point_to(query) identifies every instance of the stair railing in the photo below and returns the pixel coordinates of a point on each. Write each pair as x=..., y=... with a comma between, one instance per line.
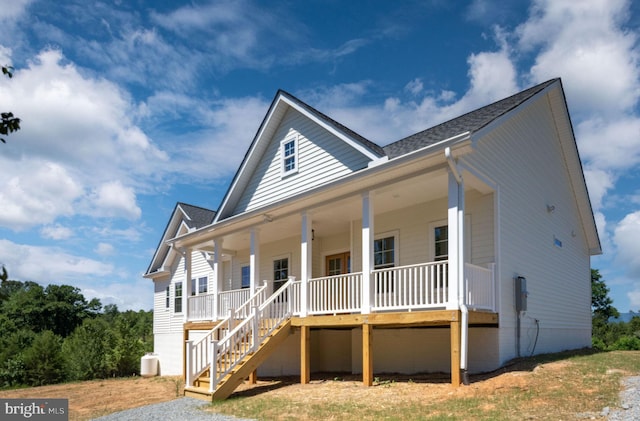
x=198, y=352
x=247, y=336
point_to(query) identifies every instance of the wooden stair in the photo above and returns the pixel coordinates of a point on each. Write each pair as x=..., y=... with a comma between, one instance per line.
x=251, y=362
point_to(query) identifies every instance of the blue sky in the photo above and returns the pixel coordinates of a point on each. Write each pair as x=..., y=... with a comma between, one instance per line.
x=129, y=106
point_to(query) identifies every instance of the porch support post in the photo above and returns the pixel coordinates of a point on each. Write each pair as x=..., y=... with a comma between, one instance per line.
x=254, y=260
x=455, y=351
x=306, y=254
x=305, y=354
x=218, y=275
x=186, y=290
x=453, y=239
x=367, y=252
x=367, y=354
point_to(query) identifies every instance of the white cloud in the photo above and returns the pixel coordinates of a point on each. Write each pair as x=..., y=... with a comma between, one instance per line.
x=612, y=145
x=230, y=125
x=12, y=9
x=56, y=232
x=47, y=264
x=626, y=236
x=104, y=249
x=35, y=192
x=414, y=87
x=599, y=182
x=77, y=136
x=112, y=199
x=584, y=43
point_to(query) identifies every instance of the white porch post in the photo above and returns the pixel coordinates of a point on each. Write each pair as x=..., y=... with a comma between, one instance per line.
x=218, y=273
x=454, y=241
x=254, y=260
x=305, y=265
x=186, y=290
x=367, y=252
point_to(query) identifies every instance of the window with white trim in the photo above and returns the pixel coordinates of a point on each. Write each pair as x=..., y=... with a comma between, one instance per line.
x=441, y=243
x=203, y=285
x=177, y=298
x=384, y=252
x=289, y=154
x=246, y=277
x=280, y=272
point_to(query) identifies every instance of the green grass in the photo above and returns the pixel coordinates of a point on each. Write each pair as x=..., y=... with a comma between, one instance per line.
x=566, y=385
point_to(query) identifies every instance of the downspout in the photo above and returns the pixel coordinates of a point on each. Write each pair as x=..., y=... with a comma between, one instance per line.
x=464, y=311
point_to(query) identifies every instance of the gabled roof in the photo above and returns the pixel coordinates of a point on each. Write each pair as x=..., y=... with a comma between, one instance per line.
x=470, y=122
x=193, y=217
x=474, y=124
x=282, y=102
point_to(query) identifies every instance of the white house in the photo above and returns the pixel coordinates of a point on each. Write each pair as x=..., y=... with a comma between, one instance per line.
x=455, y=249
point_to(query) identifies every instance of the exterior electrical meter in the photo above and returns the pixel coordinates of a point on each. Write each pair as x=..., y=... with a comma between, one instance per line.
x=521, y=294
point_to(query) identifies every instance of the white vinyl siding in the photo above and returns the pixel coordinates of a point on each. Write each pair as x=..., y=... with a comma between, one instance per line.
x=321, y=156
x=524, y=158
x=165, y=319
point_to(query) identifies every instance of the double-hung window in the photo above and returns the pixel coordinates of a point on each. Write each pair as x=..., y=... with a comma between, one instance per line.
x=384, y=256
x=177, y=298
x=280, y=272
x=289, y=153
x=202, y=285
x=441, y=242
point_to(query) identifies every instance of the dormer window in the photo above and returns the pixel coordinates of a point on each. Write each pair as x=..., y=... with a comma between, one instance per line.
x=289, y=153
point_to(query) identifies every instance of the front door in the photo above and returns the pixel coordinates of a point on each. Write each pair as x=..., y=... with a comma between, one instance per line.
x=338, y=264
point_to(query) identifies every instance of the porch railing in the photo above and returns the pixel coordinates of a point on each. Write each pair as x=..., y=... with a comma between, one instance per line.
x=480, y=291
x=247, y=336
x=335, y=294
x=411, y=287
x=198, y=352
x=201, y=307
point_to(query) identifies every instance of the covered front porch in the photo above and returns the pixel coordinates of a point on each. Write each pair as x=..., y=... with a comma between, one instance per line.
x=417, y=250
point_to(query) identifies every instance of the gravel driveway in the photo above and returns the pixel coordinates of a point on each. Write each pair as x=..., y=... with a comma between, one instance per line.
x=181, y=409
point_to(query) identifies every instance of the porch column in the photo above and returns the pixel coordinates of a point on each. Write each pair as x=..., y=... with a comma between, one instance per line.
x=367, y=252
x=454, y=240
x=186, y=289
x=218, y=274
x=254, y=261
x=305, y=266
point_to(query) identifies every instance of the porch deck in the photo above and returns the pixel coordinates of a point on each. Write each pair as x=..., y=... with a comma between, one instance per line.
x=409, y=296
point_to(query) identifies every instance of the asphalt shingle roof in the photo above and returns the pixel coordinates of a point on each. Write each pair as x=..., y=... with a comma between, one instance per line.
x=199, y=217
x=469, y=122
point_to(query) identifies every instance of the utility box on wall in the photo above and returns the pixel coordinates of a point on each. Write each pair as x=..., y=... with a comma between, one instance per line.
x=521, y=293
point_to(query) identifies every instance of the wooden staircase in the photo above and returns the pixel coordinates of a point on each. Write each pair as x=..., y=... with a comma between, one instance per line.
x=232, y=380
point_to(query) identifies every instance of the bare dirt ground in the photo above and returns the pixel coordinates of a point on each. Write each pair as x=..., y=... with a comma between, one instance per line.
x=93, y=399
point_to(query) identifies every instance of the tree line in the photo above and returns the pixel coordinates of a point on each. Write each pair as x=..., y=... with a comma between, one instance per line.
x=53, y=334
x=608, y=333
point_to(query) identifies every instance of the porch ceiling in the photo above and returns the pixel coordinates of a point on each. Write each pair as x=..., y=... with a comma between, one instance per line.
x=334, y=216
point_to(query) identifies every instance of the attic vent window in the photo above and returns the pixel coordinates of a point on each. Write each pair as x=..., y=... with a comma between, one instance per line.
x=289, y=153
